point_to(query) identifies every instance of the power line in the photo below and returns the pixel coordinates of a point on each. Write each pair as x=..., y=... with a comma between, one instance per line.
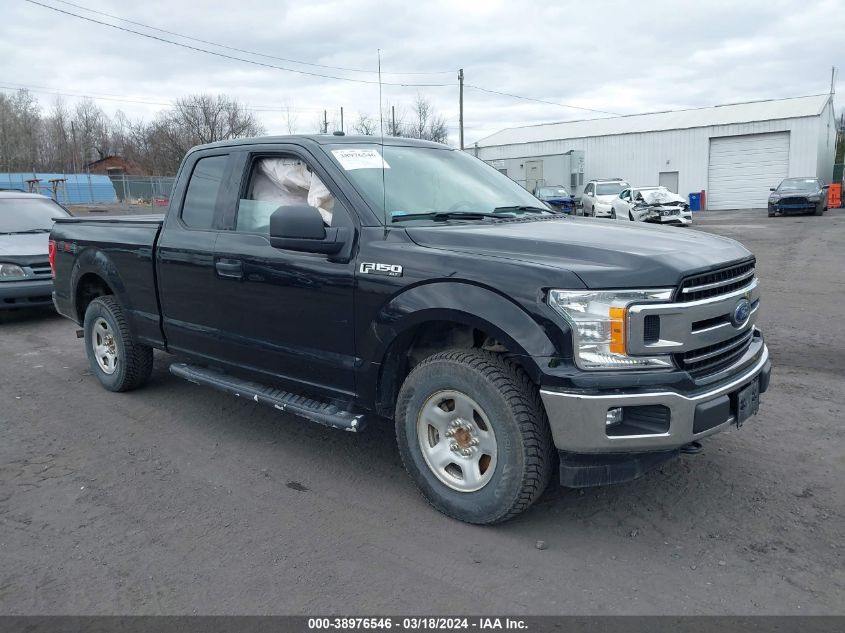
x=232, y=57
x=105, y=97
x=242, y=50
x=561, y=105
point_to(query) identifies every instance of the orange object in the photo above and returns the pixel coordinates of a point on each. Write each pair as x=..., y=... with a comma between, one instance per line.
x=834, y=196
x=617, y=330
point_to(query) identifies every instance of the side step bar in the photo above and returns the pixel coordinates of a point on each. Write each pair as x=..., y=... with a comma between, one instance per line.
x=314, y=410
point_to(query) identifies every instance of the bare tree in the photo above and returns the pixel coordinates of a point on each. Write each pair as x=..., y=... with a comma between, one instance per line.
x=426, y=123
x=365, y=124
x=290, y=119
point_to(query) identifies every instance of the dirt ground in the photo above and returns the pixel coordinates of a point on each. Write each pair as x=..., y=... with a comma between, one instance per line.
x=177, y=499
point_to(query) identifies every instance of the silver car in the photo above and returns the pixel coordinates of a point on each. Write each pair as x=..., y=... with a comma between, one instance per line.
x=26, y=279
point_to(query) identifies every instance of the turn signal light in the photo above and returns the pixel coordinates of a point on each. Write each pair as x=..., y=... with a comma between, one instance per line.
x=617, y=330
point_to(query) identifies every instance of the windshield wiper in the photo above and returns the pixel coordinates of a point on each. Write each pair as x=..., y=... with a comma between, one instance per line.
x=523, y=208
x=446, y=215
x=27, y=231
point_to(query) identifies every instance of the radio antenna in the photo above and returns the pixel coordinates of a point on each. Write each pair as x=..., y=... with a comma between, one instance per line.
x=381, y=131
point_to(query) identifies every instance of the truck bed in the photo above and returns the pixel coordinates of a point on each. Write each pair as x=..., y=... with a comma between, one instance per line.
x=115, y=250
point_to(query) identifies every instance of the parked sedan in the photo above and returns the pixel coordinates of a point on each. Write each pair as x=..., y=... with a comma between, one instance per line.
x=557, y=197
x=798, y=195
x=652, y=204
x=25, y=223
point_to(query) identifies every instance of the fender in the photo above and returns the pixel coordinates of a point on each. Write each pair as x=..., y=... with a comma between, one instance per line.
x=460, y=302
x=143, y=318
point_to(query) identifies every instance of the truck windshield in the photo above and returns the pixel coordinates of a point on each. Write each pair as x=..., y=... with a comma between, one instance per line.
x=28, y=215
x=425, y=181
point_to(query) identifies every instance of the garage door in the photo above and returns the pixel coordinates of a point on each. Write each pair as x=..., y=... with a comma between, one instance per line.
x=742, y=168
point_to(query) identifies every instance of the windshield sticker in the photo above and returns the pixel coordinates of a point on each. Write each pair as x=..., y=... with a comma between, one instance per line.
x=351, y=159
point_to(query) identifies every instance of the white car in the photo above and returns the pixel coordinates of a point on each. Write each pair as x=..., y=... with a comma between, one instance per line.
x=652, y=204
x=599, y=195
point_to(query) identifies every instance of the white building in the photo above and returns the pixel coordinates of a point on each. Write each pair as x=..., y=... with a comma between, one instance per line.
x=734, y=152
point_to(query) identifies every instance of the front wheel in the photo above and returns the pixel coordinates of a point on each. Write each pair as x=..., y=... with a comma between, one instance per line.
x=473, y=435
x=116, y=359
x=613, y=214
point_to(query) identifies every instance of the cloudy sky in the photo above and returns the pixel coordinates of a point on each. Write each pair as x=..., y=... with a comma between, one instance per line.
x=618, y=57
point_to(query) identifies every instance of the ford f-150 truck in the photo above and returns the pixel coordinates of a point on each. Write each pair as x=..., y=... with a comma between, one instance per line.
x=350, y=281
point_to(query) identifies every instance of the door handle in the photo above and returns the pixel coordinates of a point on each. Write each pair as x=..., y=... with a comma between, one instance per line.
x=230, y=268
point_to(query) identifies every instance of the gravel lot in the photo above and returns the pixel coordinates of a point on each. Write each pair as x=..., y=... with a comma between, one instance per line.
x=178, y=499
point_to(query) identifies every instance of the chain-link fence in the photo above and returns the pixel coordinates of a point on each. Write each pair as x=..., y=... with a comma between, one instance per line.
x=143, y=190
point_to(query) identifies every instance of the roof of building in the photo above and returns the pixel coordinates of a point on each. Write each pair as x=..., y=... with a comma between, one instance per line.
x=746, y=112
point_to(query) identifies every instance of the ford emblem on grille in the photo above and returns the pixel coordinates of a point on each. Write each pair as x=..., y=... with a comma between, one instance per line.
x=741, y=313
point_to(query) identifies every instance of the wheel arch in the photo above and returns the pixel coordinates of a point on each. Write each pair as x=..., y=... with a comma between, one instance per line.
x=442, y=315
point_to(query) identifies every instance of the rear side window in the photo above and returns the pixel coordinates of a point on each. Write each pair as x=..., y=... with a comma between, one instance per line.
x=201, y=197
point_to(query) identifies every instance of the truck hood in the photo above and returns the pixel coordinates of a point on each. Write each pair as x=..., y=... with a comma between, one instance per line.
x=24, y=245
x=601, y=253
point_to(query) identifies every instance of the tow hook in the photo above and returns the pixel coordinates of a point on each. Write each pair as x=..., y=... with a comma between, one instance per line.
x=693, y=448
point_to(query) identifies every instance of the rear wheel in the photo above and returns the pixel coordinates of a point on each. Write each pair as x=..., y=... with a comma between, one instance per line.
x=473, y=435
x=118, y=362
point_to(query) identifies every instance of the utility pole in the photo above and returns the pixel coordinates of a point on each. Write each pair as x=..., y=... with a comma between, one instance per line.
x=461, y=103
x=325, y=122
x=393, y=121
x=341, y=118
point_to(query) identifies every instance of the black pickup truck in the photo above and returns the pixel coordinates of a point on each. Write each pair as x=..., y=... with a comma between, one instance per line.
x=351, y=281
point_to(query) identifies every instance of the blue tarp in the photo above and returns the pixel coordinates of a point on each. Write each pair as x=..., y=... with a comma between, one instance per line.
x=78, y=189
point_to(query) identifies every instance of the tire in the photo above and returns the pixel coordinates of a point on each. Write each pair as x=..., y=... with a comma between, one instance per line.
x=106, y=329
x=820, y=210
x=631, y=216
x=613, y=214
x=505, y=475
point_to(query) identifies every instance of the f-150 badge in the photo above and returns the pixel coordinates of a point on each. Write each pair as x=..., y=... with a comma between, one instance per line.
x=390, y=270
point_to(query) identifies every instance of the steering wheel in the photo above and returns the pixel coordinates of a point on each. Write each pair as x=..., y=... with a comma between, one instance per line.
x=461, y=203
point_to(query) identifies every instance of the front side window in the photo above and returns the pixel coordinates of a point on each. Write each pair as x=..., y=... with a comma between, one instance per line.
x=201, y=197
x=424, y=180
x=279, y=181
x=28, y=215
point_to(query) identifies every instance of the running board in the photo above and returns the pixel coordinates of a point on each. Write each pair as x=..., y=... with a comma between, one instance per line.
x=314, y=410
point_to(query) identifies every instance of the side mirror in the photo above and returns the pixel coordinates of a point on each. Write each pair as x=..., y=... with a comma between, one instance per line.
x=773, y=188
x=299, y=227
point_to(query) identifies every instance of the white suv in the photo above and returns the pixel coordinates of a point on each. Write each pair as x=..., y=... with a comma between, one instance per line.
x=598, y=196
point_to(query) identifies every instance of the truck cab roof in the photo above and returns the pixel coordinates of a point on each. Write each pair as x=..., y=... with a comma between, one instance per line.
x=325, y=139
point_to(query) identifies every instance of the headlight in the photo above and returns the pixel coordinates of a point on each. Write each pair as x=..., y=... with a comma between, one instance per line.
x=9, y=272
x=815, y=197
x=599, y=320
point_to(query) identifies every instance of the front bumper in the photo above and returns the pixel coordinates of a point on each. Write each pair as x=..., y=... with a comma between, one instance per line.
x=578, y=420
x=803, y=206
x=25, y=294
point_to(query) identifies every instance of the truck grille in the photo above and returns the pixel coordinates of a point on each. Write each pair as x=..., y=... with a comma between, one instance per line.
x=710, y=359
x=716, y=283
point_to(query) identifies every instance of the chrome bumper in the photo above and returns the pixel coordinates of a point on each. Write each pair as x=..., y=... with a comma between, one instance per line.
x=578, y=421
